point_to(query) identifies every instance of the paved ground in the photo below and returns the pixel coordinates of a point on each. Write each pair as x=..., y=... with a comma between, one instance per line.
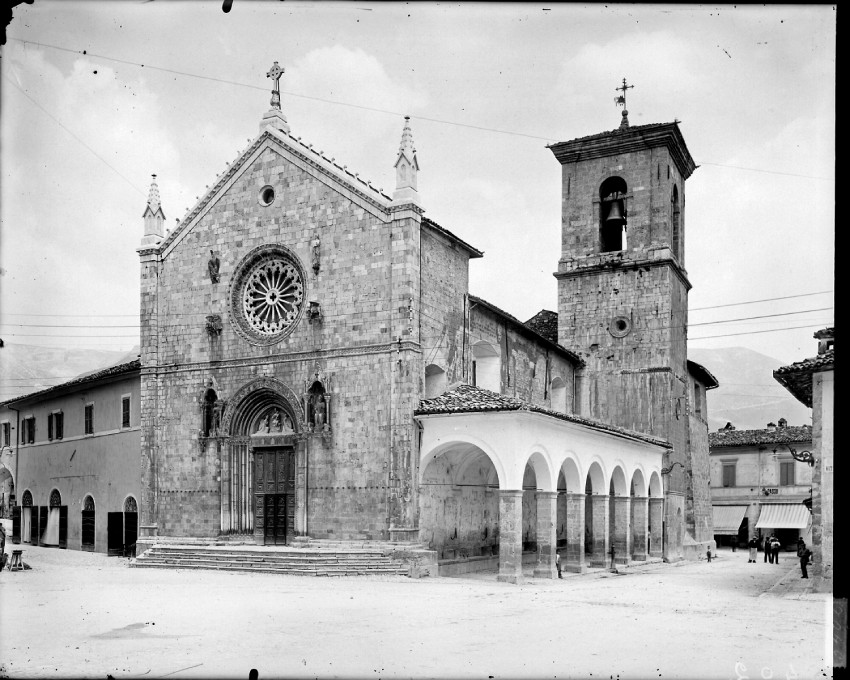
x=81, y=614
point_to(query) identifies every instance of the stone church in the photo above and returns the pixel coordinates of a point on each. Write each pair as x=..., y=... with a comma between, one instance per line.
x=314, y=367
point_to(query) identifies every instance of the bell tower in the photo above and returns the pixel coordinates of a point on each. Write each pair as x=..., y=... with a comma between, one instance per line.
x=623, y=288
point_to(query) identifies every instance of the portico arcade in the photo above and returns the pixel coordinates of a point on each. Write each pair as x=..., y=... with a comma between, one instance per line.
x=495, y=482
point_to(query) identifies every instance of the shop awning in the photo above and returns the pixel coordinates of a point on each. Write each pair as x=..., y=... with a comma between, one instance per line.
x=728, y=518
x=784, y=516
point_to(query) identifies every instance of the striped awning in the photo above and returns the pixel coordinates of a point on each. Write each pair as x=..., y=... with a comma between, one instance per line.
x=728, y=518
x=784, y=516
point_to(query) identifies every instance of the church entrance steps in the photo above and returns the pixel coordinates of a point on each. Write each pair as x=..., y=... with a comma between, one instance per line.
x=275, y=560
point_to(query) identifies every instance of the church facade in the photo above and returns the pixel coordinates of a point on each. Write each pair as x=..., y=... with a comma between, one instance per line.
x=313, y=366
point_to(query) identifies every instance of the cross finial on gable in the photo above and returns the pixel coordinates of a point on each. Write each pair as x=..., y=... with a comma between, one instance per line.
x=275, y=72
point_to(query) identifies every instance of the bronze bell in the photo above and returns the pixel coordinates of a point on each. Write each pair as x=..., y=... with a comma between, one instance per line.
x=615, y=212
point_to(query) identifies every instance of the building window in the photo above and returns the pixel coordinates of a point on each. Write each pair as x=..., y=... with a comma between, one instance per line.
x=728, y=474
x=125, y=411
x=55, y=425
x=7, y=434
x=786, y=473
x=28, y=431
x=697, y=401
x=89, y=419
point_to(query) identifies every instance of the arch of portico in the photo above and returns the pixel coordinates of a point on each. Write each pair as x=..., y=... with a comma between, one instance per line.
x=488, y=488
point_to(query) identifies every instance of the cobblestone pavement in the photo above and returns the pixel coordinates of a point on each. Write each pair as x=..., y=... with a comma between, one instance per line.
x=85, y=615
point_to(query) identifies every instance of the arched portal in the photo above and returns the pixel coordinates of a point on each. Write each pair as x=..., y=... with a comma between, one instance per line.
x=435, y=381
x=29, y=519
x=459, y=502
x=261, y=458
x=53, y=522
x=131, y=526
x=486, y=367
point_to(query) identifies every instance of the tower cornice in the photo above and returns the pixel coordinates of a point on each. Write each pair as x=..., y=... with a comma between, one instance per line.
x=606, y=262
x=628, y=140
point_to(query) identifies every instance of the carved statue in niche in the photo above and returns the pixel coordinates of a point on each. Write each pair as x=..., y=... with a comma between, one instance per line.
x=275, y=421
x=315, y=244
x=213, y=267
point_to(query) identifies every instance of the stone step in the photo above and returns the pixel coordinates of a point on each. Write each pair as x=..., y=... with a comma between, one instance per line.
x=276, y=569
x=185, y=559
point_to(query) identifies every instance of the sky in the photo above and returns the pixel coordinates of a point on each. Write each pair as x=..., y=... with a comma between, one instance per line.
x=98, y=96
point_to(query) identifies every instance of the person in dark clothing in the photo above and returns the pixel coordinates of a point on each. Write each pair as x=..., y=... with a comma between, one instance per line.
x=753, y=545
x=766, y=548
x=805, y=555
x=775, y=545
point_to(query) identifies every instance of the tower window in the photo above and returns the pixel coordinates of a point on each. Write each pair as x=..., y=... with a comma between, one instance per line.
x=612, y=215
x=676, y=236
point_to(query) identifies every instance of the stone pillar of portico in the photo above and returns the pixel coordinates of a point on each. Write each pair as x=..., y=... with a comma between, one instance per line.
x=622, y=529
x=656, y=524
x=640, y=506
x=600, y=539
x=547, y=509
x=510, y=536
x=574, y=558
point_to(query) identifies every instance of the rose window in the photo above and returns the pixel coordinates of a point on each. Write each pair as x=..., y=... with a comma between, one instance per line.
x=272, y=297
x=267, y=294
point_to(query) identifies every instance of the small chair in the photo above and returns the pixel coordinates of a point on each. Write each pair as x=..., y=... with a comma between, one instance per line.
x=17, y=563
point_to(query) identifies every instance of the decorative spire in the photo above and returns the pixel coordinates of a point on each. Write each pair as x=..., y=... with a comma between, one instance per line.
x=406, y=168
x=621, y=101
x=153, y=195
x=154, y=216
x=274, y=117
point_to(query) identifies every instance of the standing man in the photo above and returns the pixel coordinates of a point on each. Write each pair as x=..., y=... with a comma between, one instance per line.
x=775, y=545
x=804, y=554
x=766, y=548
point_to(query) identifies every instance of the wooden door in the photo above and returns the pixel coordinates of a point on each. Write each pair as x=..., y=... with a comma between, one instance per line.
x=42, y=523
x=274, y=487
x=115, y=533
x=16, y=524
x=131, y=532
x=87, y=537
x=63, y=526
x=33, y=525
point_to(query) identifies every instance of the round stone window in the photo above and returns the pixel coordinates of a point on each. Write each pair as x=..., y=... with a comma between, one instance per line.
x=620, y=326
x=267, y=294
x=266, y=196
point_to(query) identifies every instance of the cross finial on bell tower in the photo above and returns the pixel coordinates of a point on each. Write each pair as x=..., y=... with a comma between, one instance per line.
x=621, y=101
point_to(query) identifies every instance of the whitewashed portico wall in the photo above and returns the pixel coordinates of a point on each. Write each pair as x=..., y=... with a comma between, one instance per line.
x=512, y=439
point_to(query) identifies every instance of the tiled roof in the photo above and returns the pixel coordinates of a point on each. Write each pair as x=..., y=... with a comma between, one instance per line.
x=470, y=399
x=111, y=371
x=531, y=332
x=474, y=252
x=828, y=332
x=797, y=378
x=781, y=435
x=616, y=131
x=545, y=323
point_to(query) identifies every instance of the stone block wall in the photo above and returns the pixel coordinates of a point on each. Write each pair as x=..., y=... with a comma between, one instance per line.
x=367, y=284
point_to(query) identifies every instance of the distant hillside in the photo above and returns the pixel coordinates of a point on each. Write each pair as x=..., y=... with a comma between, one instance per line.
x=29, y=368
x=748, y=396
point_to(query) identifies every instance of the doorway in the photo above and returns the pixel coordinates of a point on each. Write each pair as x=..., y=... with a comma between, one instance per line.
x=274, y=491
x=88, y=524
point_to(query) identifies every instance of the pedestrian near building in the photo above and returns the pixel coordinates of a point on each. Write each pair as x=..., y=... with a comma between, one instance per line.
x=766, y=548
x=754, y=549
x=775, y=545
x=708, y=554
x=805, y=555
x=558, y=563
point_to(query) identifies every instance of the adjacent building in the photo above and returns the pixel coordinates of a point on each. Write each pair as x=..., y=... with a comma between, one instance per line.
x=71, y=455
x=758, y=487
x=812, y=382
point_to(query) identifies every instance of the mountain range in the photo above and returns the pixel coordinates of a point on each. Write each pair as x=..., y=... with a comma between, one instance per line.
x=748, y=396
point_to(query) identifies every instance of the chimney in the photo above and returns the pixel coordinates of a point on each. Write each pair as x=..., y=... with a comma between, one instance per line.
x=783, y=423
x=771, y=427
x=726, y=428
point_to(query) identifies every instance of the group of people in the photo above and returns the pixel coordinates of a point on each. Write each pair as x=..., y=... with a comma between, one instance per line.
x=770, y=545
